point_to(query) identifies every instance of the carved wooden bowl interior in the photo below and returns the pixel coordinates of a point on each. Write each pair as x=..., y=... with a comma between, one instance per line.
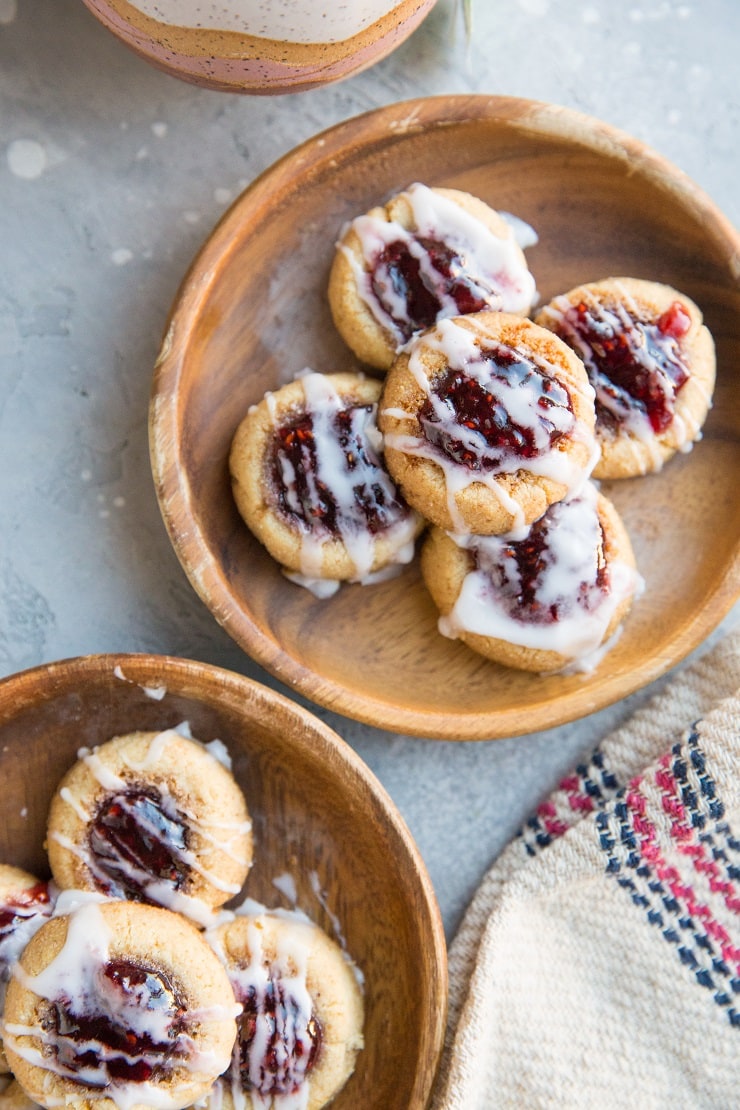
x=252, y=312
x=318, y=814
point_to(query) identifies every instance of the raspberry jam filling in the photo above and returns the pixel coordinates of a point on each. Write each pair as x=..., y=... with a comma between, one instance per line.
x=633, y=363
x=134, y=1031
x=278, y=1042
x=137, y=836
x=480, y=405
x=22, y=904
x=519, y=575
x=333, y=484
x=424, y=290
x=559, y=589
x=21, y=914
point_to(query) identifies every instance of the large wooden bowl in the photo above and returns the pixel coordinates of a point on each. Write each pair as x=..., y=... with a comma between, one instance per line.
x=319, y=815
x=252, y=312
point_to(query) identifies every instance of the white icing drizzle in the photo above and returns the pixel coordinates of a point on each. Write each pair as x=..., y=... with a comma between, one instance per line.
x=285, y=883
x=461, y=352
x=524, y=233
x=220, y=753
x=487, y=603
x=322, y=588
x=27, y=919
x=76, y=981
x=156, y=693
x=281, y=1031
x=224, y=836
x=330, y=467
x=624, y=317
x=492, y=265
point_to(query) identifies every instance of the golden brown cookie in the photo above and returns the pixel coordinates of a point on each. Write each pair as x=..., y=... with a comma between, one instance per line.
x=152, y=817
x=652, y=364
x=426, y=254
x=542, y=603
x=118, y=1004
x=487, y=420
x=309, y=480
x=301, y=1028
x=25, y=904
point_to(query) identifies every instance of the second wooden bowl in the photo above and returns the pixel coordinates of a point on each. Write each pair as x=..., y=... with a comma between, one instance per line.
x=319, y=816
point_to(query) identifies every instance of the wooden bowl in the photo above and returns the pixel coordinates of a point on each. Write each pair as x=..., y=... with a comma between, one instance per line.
x=252, y=312
x=318, y=815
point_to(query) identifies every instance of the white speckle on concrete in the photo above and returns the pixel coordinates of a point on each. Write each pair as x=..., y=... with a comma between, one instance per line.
x=141, y=154
x=121, y=255
x=159, y=129
x=86, y=475
x=191, y=217
x=26, y=158
x=674, y=117
x=222, y=196
x=119, y=502
x=8, y=10
x=104, y=514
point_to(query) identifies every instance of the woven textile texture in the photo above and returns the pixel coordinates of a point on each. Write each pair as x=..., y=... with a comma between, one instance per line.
x=598, y=964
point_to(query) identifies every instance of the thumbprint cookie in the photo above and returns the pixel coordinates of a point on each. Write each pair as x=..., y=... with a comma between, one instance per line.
x=543, y=603
x=309, y=480
x=301, y=1026
x=487, y=420
x=427, y=254
x=118, y=1005
x=153, y=817
x=651, y=362
x=25, y=904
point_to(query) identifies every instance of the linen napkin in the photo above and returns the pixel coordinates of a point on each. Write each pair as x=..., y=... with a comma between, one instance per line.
x=598, y=964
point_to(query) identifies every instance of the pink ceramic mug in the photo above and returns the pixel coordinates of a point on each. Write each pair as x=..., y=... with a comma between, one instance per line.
x=261, y=46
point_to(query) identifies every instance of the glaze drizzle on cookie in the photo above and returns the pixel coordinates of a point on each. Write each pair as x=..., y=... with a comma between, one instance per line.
x=279, y=1035
x=142, y=838
x=108, y=1021
x=494, y=411
x=328, y=479
x=449, y=264
x=552, y=590
x=636, y=363
x=22, y=913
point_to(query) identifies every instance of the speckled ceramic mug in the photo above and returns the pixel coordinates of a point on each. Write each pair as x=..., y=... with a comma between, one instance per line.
x=261, y=46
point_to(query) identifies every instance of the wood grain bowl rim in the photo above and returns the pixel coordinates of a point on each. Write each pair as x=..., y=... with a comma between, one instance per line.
x=244, y=697
x=311, y=158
